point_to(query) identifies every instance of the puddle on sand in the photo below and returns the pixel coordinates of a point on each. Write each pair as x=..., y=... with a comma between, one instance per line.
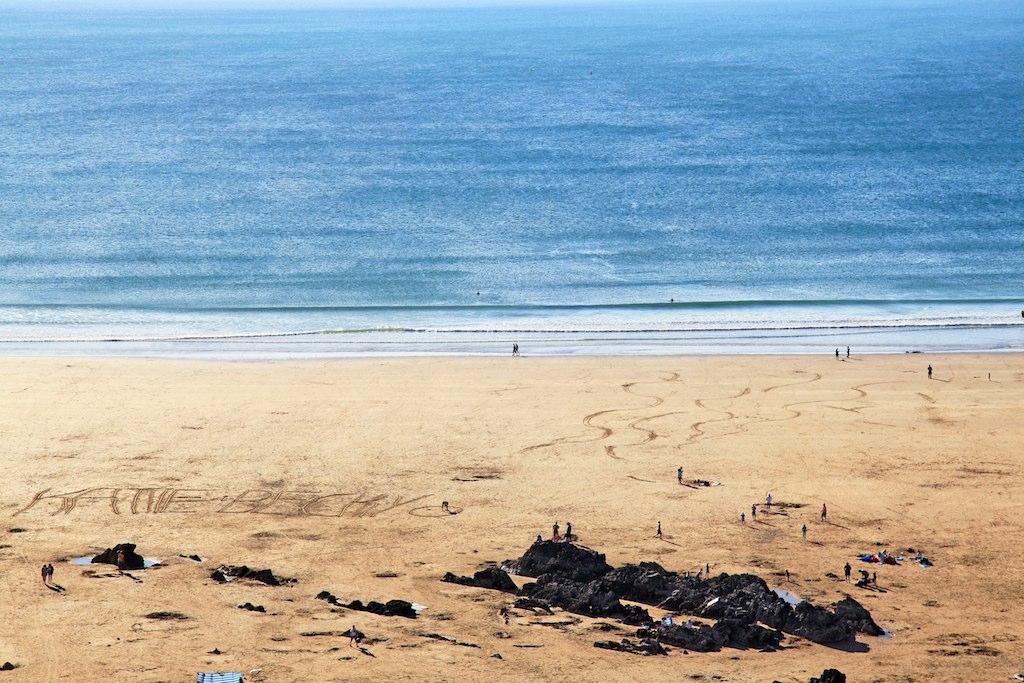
x=86, y=560
x=787, y=596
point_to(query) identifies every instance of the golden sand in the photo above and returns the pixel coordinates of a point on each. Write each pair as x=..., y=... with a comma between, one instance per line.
x=333, y=473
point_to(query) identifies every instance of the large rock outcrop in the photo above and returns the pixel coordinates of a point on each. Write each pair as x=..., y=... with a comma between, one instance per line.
x=562, y=560
x=132, y=560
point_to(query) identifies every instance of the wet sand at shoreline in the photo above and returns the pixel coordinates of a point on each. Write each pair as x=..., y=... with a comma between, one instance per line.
x=333, y=473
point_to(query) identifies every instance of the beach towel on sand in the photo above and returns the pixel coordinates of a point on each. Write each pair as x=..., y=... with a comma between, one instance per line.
x=230, y=677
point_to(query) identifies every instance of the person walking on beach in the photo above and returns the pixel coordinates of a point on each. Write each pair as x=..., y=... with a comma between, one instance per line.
x=753, y=510
x=803, y=531
x=568, y=532
x=743, y=518
x=515, y=349
x=44, y=573
x=658, y=533
x=768, y=500
x=49, y=573
x=679, y=475
x=554, y=532
x=824, y=512
x=837, y=352
x=847, y=351
x=929, y=371
x=846, y=571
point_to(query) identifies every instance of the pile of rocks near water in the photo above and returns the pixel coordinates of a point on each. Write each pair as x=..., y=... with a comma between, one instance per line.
x=747, y=613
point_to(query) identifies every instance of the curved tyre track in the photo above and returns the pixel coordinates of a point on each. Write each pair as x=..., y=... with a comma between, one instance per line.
x=605, y=430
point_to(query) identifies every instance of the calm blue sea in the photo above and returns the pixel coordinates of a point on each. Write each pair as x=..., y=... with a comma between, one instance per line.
x=589, y=178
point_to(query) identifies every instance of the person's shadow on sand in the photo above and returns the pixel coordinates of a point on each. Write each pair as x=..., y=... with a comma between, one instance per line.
x=55, y=587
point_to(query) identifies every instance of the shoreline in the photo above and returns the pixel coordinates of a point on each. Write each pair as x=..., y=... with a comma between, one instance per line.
x=1002, y=338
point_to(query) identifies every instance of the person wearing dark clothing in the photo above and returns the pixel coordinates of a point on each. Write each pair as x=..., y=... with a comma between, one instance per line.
x=846, y=571
x=929, y=372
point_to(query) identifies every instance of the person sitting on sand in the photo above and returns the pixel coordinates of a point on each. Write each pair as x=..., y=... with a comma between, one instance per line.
x=568, y=532
x=444, y=507
x=846, y=571
x=554, y=532
x=824, y=512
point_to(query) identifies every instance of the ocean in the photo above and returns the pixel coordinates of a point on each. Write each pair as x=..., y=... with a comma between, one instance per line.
x=760, y=176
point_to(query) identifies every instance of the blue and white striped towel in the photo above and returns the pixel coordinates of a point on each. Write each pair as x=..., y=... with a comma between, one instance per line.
x=230, y=677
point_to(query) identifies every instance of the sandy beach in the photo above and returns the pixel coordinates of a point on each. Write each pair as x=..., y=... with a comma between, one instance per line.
x=333, y=473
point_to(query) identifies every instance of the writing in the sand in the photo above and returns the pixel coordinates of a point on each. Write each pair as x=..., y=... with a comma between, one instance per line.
x=136, y=500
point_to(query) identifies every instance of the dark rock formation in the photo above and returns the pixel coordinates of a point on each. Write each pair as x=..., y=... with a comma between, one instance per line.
x=226, y=573
x=132, y=560
x=532, y=604
x=7, y=666
x=594, y=599
x=492, y=578
x=704, y=638
x=252, y=608
x=647, y=582
x=579, y=580
x=829, y=676
x=562, y=560
x=391, y=608
x=644, y=647
x=854, y=613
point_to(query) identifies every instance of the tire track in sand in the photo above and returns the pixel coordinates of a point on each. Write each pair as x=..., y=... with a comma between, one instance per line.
x=650, y=435
x=588, y=421
x=698, y=433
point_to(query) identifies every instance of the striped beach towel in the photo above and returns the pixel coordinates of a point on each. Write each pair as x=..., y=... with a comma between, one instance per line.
x=230, y=677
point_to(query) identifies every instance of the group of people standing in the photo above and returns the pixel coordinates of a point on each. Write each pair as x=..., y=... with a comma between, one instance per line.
x=768, y=500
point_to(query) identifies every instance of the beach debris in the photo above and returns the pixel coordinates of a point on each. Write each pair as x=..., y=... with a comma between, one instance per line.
x=646, y=646
x=194, y=558
x=252, y=608
x=7, y=666
x=391, y=608
x=225, y=573
x=491, y=578
x=15, y=530
x=215, y=651
x=387, y=575
x=829, y=676
x=122, y=555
